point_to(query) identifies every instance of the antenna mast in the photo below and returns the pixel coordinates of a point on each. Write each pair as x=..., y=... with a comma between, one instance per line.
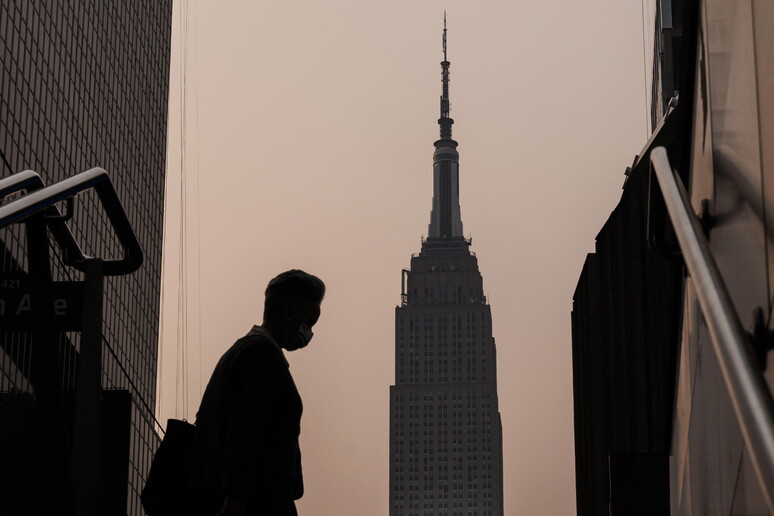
x=445, y=121
x=444, y=35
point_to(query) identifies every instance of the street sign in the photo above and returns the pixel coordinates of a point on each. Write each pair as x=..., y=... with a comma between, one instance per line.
x=17, y=304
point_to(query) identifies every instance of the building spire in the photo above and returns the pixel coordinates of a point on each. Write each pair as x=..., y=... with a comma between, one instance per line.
x=445, y=121
x=445, y=230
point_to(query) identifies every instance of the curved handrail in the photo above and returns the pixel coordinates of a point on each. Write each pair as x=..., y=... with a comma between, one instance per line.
x=97, y=178
x=746, y=386
x=30, y=180
x=26, y=180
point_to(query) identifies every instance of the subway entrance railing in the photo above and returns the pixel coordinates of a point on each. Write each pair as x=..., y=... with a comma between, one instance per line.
x=66, y=426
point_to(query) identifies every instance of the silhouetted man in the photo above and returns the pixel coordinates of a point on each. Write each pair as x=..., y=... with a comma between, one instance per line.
x=246, y=459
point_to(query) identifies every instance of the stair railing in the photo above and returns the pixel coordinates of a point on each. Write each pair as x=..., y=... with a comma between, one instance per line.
x=43, y=199
x=30, y=181
x=38, y=209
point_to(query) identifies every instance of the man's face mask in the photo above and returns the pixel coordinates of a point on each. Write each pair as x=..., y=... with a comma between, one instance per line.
x=296, y=338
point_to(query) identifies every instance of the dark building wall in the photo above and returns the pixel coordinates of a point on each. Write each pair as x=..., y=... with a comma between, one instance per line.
x=627, y=311
x=82, y=85
x=719, y=140
x=625, y=326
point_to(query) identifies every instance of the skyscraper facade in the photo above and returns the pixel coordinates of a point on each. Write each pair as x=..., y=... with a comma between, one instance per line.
x=445, y=428
x=83, y=85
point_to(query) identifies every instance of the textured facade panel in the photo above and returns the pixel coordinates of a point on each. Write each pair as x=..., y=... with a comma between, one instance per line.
x=85, y=84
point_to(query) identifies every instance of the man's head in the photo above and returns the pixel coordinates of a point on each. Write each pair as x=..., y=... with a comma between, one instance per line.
x=292, y=306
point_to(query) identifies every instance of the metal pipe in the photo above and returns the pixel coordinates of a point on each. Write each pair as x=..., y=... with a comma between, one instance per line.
x=744, y=380
x=403, y=294
x=26, y=180
x=31, y=181
x=97, y=178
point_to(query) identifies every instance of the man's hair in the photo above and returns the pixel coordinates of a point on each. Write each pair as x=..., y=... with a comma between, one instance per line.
x=291, y=286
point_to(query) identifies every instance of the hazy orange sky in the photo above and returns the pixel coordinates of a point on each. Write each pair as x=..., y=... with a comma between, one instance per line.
x=309, y=130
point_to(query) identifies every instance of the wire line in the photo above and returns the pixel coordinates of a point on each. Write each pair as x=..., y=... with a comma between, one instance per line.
x=645, y=72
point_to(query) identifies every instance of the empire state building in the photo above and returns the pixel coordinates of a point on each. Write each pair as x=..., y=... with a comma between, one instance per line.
x=445, y=429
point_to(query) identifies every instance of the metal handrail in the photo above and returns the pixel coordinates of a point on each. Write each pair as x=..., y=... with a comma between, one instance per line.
x=27, y=180
x=46, y=197
x=31, y=181
x=746, y=386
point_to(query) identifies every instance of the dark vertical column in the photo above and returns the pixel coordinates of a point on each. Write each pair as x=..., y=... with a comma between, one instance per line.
x=87, y=417
x=114, y=451
x=50, y=471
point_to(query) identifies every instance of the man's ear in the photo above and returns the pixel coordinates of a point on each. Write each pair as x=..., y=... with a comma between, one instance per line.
x=288, y=310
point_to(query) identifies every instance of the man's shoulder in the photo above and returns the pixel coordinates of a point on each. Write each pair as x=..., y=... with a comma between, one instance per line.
x=257, y=344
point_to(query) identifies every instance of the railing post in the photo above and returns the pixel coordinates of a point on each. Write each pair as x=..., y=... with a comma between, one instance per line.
x=86, y=456
x=51, y=457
